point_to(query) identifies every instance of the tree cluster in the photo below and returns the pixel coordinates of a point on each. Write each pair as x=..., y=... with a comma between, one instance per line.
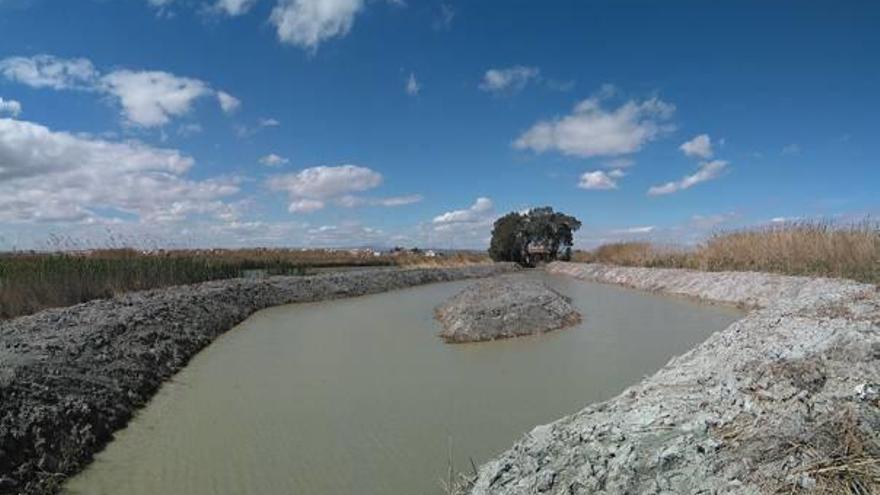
x=551, y=231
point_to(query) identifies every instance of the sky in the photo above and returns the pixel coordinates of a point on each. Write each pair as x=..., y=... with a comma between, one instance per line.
x=329, y=123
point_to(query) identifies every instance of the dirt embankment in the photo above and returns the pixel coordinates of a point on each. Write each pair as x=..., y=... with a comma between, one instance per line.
x=785, y=400
x=70, y=377
x=504, y=307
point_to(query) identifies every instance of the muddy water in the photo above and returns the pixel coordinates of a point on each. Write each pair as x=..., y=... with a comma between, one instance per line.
x=359, y=396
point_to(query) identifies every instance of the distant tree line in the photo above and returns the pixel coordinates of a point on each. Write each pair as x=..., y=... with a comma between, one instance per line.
x=539, y=234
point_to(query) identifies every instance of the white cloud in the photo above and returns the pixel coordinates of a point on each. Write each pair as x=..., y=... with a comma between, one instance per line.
x=707, y=171
x=313, y=188
x=190, y=129
x=784, y=219
x=233, y=7
x=273, y=160
x=700, y=146
x=245, y=131
x=352, y=201
x=508, y=80
x=412, y=87
x=153, y=98
x=308, y=23
x=635, y=230
x=600, y=180
x=305, y=205
x=469, y=227
x=61, y=177
x=228, y=103
x=401, y=200
x=476, y=213
x=147, y=98
x=591, y=130
x=46, y=71
x=10, y=107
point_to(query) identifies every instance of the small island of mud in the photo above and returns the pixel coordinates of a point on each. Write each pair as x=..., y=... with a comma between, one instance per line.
x=504, y=307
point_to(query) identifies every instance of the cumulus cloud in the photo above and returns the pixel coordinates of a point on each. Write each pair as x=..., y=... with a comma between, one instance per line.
x=233, y=7
x=592, y=130
x=153, y=98
x=313, y=188
x=273, y=160
x=10, y=107
x=46, y=71
x=412, y=87
x=56, y=176
x=351, y=201
x=228, y=103
x=508, y=80
x=707, y=171
x=600, y=180
x=147, y=98
x=479, y=212
x=308, y=23
x=700, y=147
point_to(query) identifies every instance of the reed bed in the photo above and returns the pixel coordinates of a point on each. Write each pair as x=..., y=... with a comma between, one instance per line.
x=805, y=248
x=30, y=282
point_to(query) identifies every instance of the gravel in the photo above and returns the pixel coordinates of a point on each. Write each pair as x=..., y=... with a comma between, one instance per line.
x=504, y=307
x=783, y=400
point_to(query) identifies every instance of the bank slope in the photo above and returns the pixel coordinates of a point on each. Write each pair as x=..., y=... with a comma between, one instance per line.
x=785, y=399
x=70, y=377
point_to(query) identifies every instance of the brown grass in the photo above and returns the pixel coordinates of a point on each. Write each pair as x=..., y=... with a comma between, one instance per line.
x=841, y=456
x=30, y=282
x=808, y=248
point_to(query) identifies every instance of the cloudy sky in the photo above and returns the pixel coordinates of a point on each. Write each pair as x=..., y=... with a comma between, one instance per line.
x=418, y=122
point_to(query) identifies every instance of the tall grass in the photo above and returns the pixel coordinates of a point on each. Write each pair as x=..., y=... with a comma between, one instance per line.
x=34, y=281
x=805, y=248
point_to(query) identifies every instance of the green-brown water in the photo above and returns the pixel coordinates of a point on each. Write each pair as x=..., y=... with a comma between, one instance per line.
x=359, y=396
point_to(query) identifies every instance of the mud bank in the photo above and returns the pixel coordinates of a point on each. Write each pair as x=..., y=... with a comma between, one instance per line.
x=504, y=307
x=785, y=399
x=70, y=377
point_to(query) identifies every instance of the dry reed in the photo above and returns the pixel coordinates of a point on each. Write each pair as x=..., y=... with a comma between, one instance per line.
x=806, y=248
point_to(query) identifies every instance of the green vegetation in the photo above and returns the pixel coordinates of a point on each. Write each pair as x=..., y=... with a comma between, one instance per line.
x=807, y=248
x=540, y=234
x=30, y=282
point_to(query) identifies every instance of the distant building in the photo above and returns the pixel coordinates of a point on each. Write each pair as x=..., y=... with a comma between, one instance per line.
x=538, y=252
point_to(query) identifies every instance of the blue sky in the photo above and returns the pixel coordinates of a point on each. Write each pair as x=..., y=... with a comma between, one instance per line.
x=380, y=122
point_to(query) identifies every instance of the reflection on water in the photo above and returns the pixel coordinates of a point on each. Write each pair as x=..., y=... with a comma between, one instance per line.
x=359, y=396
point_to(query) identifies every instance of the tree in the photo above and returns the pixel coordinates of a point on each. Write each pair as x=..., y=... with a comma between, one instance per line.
x=539, y=227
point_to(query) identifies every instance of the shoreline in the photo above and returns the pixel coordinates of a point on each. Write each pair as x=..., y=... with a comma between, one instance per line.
x=70, y=377
x=785, y=398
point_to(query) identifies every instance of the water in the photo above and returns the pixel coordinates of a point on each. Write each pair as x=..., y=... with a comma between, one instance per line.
x=359, y=396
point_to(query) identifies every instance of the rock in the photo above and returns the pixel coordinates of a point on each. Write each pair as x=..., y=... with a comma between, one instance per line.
x=754, y=409
x=503, y=307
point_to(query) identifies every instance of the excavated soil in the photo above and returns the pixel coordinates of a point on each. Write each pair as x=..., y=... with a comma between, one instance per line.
x=504, y=307
x=70, y=377
x=785, y=400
